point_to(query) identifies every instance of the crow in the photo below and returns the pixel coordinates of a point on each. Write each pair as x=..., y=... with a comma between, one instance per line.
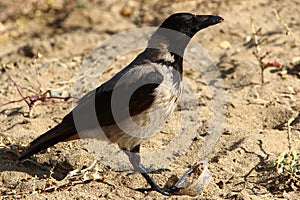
x=154, y=82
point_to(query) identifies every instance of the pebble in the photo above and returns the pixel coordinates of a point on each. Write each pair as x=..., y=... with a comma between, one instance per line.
x=291, y=90
x=65, y=94
x=9, y=66
x=225, y=44
x=126, y=11
x=296, y=60
x=2, y=27
x=248, y=38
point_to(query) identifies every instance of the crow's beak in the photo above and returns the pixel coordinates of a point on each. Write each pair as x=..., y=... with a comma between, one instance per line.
x=203, y=21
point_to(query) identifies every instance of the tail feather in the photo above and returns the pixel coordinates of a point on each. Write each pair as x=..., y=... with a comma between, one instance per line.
x=61, y=132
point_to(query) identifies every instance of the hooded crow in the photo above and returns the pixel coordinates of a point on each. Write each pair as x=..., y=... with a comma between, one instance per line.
x=154, y=80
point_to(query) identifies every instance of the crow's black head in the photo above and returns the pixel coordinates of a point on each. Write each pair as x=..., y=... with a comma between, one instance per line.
x=176, y=31
x=188, y=23
x=173, y=35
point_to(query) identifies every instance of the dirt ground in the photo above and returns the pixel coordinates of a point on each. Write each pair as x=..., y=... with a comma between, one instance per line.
x=45, y=42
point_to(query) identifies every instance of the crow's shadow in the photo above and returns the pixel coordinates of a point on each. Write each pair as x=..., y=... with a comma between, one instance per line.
x=9, y=162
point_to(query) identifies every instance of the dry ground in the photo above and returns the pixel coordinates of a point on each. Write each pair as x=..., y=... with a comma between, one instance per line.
x=255, y=130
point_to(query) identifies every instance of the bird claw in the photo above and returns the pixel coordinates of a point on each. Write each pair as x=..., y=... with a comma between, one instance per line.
x=157, y=171
x=154, y=186
x=163, y=191
x=151, y=171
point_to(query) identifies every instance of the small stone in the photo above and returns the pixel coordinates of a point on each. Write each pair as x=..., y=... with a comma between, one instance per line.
x=248, y=39
x=291, y=90
x=2, y=27
x=225, y=44
x=65, y=94
x=9, y=66
x=126, y=11
x=296, y=60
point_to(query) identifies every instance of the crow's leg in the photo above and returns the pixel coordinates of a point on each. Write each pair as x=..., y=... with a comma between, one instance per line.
x=135, y=160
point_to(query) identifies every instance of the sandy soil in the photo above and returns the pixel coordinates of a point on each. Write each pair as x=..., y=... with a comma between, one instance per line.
x=45, y=42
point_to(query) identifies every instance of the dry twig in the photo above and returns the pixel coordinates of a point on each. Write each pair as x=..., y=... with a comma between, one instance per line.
x=75, y=177
x=38, y=96
x=257, y=53
x=43, y=95
x=287, y=28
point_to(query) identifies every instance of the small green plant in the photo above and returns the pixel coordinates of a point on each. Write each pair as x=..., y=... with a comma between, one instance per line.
x=288, y=163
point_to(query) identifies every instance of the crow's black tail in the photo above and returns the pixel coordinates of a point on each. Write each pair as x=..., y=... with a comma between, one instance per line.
x=62, y=132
